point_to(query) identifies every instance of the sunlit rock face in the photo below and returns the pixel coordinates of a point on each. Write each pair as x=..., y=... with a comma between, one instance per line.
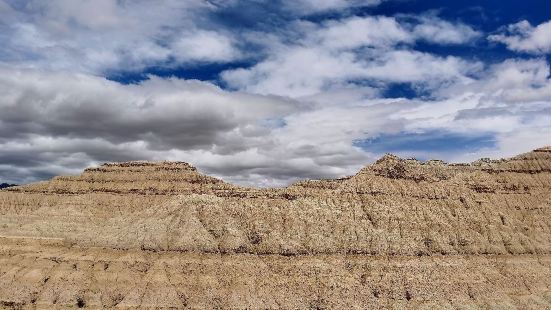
x=400, y=233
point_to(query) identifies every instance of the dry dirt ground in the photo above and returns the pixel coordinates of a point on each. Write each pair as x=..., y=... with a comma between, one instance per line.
x=399, y=234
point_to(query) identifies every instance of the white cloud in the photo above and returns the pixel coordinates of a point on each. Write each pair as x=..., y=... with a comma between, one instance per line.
x=433, y=29
x=523, y=37
x=299, y=71
x=298, y=112
x=510, y=144
x=386, y=32
x=295, y=72
x=356, y=32
x=58, y=123
x=511, y=81
x=342, y=53
x=204, y=45
x=51, y=117
x=306, y=7
x=412, y=66
x=509, y=100
x=109, y=35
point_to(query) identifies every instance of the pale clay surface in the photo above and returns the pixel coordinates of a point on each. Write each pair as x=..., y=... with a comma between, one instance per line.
x=400, y=234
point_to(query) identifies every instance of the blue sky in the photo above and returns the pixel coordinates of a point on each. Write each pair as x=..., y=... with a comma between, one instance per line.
x=265, y=93
x=487, y=16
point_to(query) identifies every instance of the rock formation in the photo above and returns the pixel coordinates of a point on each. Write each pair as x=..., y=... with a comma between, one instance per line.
x=398, y=234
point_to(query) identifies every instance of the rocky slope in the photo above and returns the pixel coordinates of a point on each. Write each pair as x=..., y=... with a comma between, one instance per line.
x=400, y=233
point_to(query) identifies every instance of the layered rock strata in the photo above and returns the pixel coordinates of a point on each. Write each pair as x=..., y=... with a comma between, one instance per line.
x=400, y=233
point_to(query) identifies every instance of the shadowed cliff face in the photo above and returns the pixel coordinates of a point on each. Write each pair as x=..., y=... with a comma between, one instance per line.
x=419, y=216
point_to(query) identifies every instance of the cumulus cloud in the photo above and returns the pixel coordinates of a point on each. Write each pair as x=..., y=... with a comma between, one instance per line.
x=55, y=120
x=509, y=100
x=511, y=81
x=157, y=110
x=342, y=53
x=308, y=103
x=385, y=32
x=299, y=72
x=354, y=32
x=204, y=46
x=58, y=123
x=523, y=37
x=306, y=7
x=433, y=29
x=108, y=35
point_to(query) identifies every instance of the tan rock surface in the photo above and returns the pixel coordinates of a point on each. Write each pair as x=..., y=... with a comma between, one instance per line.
x=398, y=234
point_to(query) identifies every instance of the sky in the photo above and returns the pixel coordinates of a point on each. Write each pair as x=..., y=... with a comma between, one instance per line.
x=265, y=93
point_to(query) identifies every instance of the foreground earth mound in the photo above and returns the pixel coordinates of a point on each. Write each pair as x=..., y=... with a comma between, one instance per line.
x=398, y=234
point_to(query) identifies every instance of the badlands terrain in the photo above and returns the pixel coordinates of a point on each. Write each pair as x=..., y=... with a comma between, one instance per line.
x=400, y=234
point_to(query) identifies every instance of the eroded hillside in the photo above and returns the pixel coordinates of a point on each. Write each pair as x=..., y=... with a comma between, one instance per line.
x=400, y=233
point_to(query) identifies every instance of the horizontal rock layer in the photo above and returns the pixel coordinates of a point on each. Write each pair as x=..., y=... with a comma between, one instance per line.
x=393, y=210
x=45, y=276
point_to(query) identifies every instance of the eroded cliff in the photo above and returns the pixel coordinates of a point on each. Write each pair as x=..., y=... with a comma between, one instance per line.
x=399, y=233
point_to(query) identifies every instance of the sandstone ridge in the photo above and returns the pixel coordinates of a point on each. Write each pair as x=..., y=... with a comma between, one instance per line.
x=393, y=206
x=399, y=233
